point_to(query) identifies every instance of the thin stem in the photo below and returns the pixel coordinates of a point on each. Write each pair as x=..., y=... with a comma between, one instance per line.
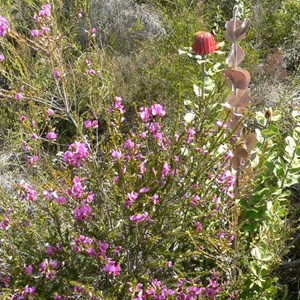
x=203, y=81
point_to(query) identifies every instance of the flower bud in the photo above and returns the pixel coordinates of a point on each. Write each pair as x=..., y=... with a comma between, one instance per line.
x=269, y=113
x=204, y=43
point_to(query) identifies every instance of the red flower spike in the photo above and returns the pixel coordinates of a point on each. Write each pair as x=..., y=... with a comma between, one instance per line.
x=204, y=43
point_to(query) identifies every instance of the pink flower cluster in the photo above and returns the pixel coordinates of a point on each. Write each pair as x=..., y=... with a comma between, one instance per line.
x=155, y=110
x=184, y=290
x=117, y=105
x=51, y=136
x=48, y=268
x=3, y=26
x=82, y=212
x=85, y=244
x=53, y=195
x=88, y=124
x=45, y=12
x=131, y=197
x=76, y=190
x=166, y=170
x=76, y=154
x=148, y=115
x=27, y=192
x=140, y=217
x=27, y=292
x=112, y=268
x=43, y=16
x=4, y=225
x=226, y=180
x=32, y=160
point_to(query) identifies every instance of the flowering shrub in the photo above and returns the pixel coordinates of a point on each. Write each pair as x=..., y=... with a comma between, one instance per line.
x=146, y=211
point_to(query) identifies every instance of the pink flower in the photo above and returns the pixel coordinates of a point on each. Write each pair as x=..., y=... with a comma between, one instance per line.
x=53, y=264
x=45, y=11
x=144, y=114
x=79, y=154
x=23, y=118
x=56, y=74
x=95, y=123
x=51, y=275
x=34, y=136
x=117, y=155
x=144, y=190
x=229, y=154
x=92, y=72
x=198, y=227
x=90, y=197
x=27, y=291
x=140, y=217
x=221, y=124
x=50, y=250
x=143, y=169
x=28, y=270
x=90, y=124
x=5, y=224
x=51, y=136
x=28, y=193
x=155, y=199
x=169, y=264
x=191, y=133
x=157, y=110
x=77, y=190
x=3, y=26
x=166, y=170
x=129, y=144
x=87, y=124
x=83, y=212
x=45, y=30
x=195, y=200
x=2, y=57
x=25, y=146
x=131, y=197
x=19, y=96
x=33, y=160
x=35, y=33
x=118, y=105
x=79, y=14
x=93, y=31
x=42, y=266
x=50, y=112
x=115, y=179
x=112, y=268
x=60, y=200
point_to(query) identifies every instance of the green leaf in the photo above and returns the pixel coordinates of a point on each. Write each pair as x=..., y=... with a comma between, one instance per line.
x=189, y=117
x=260, y=117
x=256, y=252
x=290, y=145
x=197, y=90
x=296, y=133
x=209, y=84
x=279, y=172
x=259, y=136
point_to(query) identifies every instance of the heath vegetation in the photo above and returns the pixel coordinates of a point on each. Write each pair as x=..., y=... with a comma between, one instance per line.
x=149, y=149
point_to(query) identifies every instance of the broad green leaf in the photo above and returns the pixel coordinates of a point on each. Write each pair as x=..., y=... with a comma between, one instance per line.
x=256, y=253
x=260, y=117
x=189, y=117
x=290, y=145
x=197, y=90
x=296, y=133
x=259, y=136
